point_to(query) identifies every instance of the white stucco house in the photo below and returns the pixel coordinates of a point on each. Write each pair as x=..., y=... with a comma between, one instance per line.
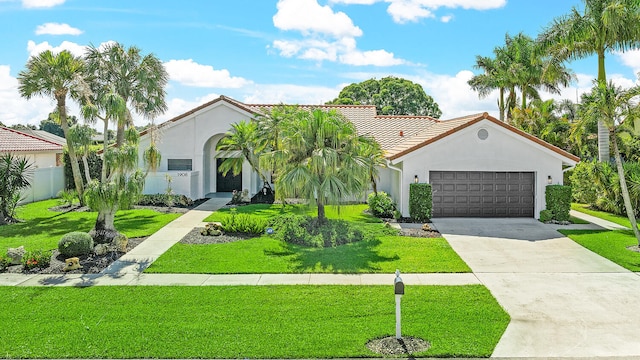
x=478, y=166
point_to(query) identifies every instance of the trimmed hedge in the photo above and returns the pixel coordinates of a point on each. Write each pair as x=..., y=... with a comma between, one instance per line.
x=558, y=199
x=95, y=168
x=420, y=201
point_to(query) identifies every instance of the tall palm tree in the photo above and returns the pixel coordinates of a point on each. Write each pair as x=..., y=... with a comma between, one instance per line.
x=494, y=77
x=139, y=80
x=57, y=76
x=603, y=26
x=613, y=106
x=122, y=82
x=322, y=162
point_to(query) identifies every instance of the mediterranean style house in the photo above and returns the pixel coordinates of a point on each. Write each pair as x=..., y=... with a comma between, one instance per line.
x=477, y=165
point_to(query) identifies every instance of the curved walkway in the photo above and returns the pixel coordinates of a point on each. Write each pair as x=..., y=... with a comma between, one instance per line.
x=564, y=300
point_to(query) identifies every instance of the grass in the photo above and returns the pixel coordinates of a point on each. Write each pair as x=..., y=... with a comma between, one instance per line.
x=575, y=220
x=609, y=244
x=42, y=228
x=380, y=252
x=617, y=219
x=242, y=322
x=268, y=255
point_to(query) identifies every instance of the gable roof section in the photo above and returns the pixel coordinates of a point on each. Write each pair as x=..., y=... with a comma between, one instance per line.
x=46, y=136
x=443, y=129
x=16, y=141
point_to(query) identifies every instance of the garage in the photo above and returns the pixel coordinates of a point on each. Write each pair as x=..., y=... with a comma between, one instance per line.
x=482, y=194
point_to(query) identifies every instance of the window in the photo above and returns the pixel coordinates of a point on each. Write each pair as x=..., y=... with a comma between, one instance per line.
x=179, y=165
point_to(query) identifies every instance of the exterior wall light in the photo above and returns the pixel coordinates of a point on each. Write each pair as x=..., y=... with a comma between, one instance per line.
x=415, y=179
x=549, y=180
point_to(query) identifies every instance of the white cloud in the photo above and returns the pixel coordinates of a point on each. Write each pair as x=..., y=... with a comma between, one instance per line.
x=190, y=73
x=630, y=58
x=446, y=18
x=16, y=110
x=41, y=3
x=355, y=2
x=373, y=57
x=35, y=49
x=309, y=17
x=57, y=29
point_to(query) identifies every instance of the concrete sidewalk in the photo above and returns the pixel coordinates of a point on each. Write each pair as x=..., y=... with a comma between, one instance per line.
x=80, y=280
x=597, y=221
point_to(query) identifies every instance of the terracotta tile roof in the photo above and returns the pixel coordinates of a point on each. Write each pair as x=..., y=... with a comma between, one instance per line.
x=397, y=135
x=17, y=141
x=445, y=128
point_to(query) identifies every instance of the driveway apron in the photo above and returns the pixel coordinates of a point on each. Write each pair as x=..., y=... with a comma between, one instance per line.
x=564, y=300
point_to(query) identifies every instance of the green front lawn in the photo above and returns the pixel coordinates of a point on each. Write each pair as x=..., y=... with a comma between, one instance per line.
x=242, y=322
x=267, y=255
x=42, y=228
x=379, y=253
x=609, y=244
x=617, y=219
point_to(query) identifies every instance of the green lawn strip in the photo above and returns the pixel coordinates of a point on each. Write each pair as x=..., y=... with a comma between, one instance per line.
x=617, y=219
x=42, y=229
x=344, y=212
x=242, y=321
x=575, y=220
x=609, y=244
x=267, y=255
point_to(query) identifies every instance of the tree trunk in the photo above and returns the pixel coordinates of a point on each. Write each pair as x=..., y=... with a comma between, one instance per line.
x=501, y=104
x=321, y=215
x=75, y=168
x=87, y=174
x=625, y=191
x=603, y=131
x=104, y=231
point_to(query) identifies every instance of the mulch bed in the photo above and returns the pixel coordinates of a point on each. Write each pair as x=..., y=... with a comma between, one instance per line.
x=91, y=264
x=420, y=233
x=389, y=345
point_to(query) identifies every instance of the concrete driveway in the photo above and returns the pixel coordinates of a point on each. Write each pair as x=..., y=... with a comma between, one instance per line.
x=564, y=300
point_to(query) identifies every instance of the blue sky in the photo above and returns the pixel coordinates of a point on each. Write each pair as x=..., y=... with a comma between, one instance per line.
x=291, y=51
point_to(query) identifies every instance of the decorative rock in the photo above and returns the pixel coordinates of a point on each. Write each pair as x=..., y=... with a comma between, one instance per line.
x=101, y=249
x=71, y=264
x=16, y=254
x=426, y=227
x=120, y=243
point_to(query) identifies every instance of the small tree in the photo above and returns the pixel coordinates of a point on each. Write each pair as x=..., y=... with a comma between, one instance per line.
x=15, y=175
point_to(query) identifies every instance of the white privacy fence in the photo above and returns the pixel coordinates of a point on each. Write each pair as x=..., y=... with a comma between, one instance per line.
x=45, y=184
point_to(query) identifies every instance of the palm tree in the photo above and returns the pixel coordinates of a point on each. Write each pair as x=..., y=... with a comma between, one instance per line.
x=371, y=151
x=244, y=139
x=321, y=159
x=613, y=106
x=603, y=26
x=122, y=81
x=57, y=76
x=138, y=80
x=494, y=77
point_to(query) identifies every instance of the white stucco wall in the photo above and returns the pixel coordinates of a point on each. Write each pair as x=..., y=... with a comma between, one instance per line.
x=195, y=137
x=503, y=150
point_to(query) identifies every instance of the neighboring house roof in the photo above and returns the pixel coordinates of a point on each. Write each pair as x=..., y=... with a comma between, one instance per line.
x=445, y=128
x=46, y=136
x=17, y=141
x=397, y=135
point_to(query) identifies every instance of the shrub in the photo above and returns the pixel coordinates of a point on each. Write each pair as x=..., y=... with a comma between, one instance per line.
x=420, y=201
x=67, y=197
x=546, y=215
x=381, y=205
x=583, y=184
x=243, y=223
x=75, y=244
x=307, y=231
x=95, y=167
x=5, y=261
x=165, y=200
x=36, y=259
x=558, y=199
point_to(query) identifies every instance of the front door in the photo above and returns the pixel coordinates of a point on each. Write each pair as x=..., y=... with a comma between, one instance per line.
x=227, y=183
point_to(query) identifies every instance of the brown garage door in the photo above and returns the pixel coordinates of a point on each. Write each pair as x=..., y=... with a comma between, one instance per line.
x=482, y=194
